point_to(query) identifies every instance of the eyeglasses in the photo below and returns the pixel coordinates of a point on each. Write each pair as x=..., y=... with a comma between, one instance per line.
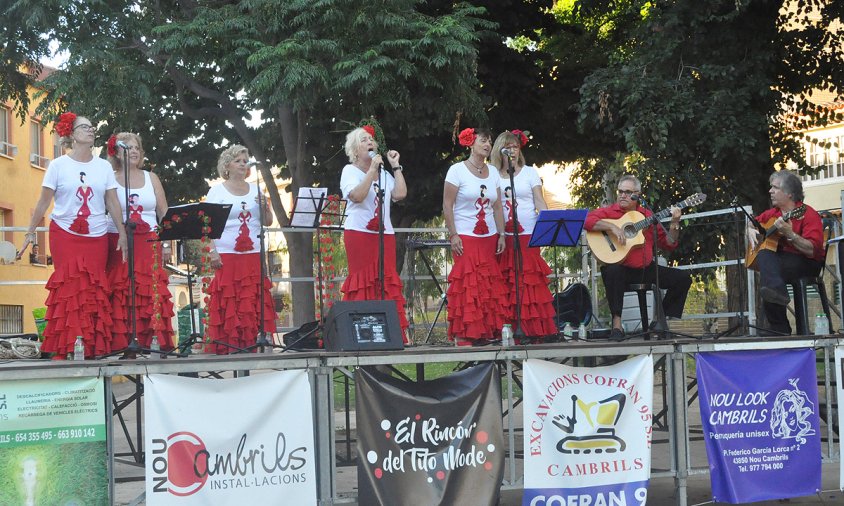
x=87, y=128
x=627, y=193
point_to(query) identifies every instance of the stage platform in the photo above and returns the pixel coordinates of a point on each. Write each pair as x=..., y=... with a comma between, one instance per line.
x=679, y=467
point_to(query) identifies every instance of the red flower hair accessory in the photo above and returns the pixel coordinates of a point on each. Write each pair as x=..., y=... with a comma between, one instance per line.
x=112, y=145
x=370, y=130
x=64, y=127
x=523, y=140
x=467, y=137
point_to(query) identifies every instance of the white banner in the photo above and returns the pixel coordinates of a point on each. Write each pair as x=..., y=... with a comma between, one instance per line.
x=587, y=433
x=232, y=442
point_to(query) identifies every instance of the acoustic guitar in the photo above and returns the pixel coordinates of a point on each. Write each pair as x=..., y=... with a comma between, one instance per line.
x=607, y=249
x=772, y=236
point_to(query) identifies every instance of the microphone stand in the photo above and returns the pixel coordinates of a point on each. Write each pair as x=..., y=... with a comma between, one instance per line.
x=518, y=333
x=742, y=323
x=380, y=199
x=133, y=348
x=261, y=342
x=660, y=327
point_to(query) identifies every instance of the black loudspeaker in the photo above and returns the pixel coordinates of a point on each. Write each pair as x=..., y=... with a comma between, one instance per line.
x=362, y=325
x=306, y=337
x=573, y=305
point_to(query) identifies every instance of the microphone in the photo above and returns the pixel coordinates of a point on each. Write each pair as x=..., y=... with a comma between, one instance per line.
x=252, y=163
x=123, y=145
x=372, y=154
x=506, y=152
x=634, y=197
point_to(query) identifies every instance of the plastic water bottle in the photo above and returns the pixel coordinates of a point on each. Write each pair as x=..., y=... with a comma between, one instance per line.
x=581, y=331
x=821, y=325
x=154, y=346
x=568, y=332
x=507, y=335
x=79, y=349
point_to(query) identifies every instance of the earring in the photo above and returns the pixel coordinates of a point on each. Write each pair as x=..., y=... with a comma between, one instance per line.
x=226, y=174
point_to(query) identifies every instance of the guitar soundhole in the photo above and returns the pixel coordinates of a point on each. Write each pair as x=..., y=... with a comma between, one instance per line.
x=630, y=231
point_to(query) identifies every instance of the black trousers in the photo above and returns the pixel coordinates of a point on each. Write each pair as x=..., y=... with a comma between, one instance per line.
x=677, y=282
x=777, y=269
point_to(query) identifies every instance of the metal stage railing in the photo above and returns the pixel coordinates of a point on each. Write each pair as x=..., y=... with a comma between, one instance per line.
x=678, y=452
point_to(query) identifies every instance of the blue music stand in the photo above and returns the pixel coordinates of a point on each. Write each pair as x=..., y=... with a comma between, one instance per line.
x=558, y=227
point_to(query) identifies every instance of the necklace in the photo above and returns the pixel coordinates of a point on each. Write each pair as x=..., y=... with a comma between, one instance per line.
x=479, y=169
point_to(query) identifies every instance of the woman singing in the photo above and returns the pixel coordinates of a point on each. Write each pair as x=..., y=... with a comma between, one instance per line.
x=82, y=187
x=234, y=309
x=360, y=183
x=477, y=297
x=536, y=302
x=147, y=205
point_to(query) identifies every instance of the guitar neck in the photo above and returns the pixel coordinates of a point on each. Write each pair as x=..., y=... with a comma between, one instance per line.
x=642, y=224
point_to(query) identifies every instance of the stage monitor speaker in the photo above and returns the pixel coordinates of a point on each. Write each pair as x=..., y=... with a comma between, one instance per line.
x=363, y=325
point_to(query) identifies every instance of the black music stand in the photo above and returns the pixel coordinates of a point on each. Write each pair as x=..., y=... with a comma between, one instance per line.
x=184, y=223
x=308, y=210
x=558, y=227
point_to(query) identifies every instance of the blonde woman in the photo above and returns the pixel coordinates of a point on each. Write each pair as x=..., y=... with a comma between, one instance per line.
x=147, y=204
x=234, y=310
x=360, y=183
x=536, y=309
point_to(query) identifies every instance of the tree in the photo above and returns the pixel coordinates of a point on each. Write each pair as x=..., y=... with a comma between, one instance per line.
x=193, y=71
x=711, y=96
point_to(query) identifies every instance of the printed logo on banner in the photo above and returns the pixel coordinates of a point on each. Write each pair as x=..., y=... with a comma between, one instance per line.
x=262, y=456
x=761, y=429
x=596, y=448
x=417, y=437
x=182, y=464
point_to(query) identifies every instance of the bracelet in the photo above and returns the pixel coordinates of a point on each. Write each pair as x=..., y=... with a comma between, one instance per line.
x=398, y=168
x=451, y=236
x=792, y=238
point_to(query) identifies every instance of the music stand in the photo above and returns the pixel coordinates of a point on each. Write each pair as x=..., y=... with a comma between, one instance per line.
x=309, y=208
x=185, y=223
x=558, y=227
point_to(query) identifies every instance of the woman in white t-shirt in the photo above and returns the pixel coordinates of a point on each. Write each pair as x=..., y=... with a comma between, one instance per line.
x=360, y=182
x=147, y=205
x=477, y=297
x=234, y=309
x=81, y=187
x=536, y=301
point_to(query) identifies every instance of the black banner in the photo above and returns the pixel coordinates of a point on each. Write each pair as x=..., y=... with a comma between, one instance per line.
x=431, y=442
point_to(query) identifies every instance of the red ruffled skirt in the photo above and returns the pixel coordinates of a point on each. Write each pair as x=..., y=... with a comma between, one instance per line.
x=118, y=277
x=537, y=307
x=78, y=295
x=233, y=310
x=362, y=281
x=477, y=297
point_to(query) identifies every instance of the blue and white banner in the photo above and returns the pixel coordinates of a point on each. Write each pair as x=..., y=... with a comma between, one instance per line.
x=760, y=423
x=246, y=440
x=587, y=433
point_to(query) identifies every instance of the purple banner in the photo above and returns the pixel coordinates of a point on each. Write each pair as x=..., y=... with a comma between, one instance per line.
x=760, y=424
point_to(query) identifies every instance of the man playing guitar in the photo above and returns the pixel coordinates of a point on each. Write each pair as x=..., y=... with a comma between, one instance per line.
x=799, y=251
x=639, y=265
